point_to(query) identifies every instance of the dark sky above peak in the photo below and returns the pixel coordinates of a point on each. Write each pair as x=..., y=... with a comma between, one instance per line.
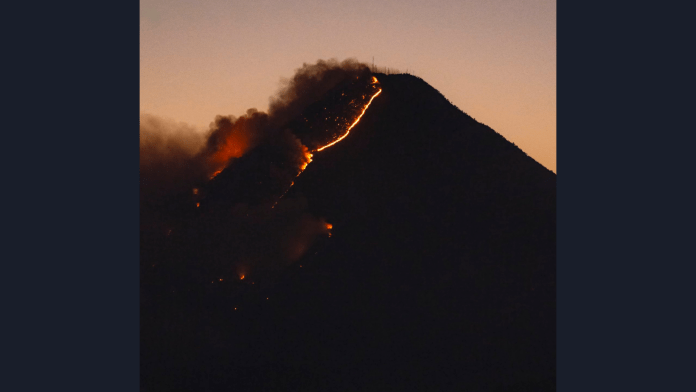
x=495, y=60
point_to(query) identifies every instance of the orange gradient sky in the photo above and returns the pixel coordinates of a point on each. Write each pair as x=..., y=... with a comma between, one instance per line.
x=495, y=59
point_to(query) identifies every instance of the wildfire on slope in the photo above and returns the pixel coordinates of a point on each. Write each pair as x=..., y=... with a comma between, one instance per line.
x=231, y=175
x=215, y=174
x=307, y=159
x=329, y=226
x=231, y=137
x=300, y=236
x=308, y=155
x=354, y=123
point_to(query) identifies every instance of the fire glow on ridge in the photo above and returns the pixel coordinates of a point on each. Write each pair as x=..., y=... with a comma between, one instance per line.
x=308, y=155
x=354, y=123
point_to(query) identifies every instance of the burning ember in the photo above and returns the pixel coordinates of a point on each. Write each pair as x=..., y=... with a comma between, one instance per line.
x=329, y=226
x=307, y=159
x=215, y=174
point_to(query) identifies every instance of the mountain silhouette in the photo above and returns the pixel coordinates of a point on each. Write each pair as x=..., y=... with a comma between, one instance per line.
x=431, y=264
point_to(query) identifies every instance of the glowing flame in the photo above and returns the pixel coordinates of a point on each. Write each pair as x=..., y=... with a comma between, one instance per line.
x=308, y=155
x=198, y=205
x=356, y=121
x=307, y=159
x=215, y=174
x=241, y=277
x=235, y=144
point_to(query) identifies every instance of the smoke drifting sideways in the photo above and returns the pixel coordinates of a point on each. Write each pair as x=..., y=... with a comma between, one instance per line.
x=167, y=150
x=180, y=168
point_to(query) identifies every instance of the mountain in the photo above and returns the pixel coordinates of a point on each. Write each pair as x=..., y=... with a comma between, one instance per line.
x=431, y=264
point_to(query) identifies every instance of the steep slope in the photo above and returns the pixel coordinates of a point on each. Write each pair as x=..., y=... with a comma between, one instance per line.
x=439, y=273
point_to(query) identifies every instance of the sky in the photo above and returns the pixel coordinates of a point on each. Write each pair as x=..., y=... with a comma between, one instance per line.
x=494, y=59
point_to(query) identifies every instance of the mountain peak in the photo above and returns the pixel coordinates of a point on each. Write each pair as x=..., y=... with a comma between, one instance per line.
x=417, y=252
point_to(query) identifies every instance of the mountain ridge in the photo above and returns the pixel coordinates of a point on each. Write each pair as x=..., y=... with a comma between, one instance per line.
x=439, y=272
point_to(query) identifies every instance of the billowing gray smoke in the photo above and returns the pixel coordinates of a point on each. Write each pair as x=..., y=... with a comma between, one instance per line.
x=175, y=160
x=167, y=150
x=311, y=83
x=173, y=157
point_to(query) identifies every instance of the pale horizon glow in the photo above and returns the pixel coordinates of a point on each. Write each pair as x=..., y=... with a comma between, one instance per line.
x=495, y=60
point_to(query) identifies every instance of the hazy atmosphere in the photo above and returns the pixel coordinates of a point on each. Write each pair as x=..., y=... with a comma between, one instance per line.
x=311, y=220
x=495, y=60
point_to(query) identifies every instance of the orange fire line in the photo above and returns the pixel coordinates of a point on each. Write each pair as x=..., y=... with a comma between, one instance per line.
x=351, y=127
x=374, y=80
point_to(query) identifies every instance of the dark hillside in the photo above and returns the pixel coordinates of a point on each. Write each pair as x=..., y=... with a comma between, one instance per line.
x=439, y=273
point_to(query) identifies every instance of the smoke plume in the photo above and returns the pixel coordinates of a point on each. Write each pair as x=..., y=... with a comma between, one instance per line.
x=231, y=137
x=167, y=150
x=311, y=83
x=249, y=159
